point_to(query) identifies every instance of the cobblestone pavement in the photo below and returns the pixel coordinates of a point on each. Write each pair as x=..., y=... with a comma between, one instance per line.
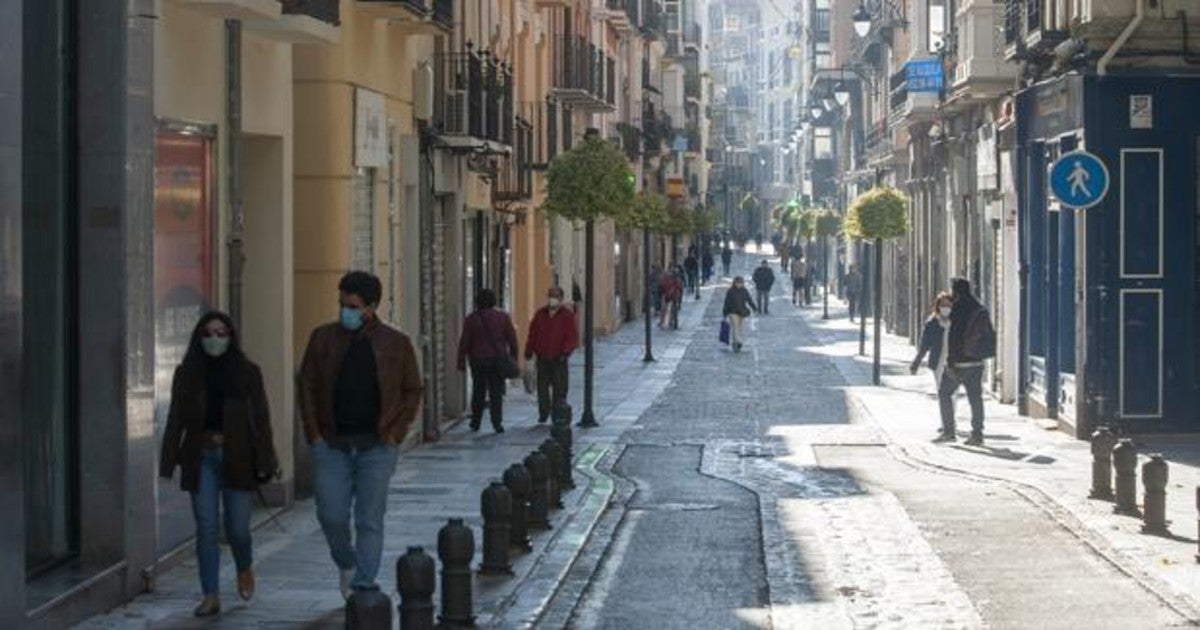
x=853, y=534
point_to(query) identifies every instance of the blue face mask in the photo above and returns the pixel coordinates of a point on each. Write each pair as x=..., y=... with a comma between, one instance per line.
x=352, y=318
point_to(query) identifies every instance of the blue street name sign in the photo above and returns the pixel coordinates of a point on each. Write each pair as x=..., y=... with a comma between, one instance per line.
x=1079, y=179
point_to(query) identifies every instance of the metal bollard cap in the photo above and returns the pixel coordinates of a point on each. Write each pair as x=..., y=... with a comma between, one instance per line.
x=415, y=574
x=456, y=543
x=517, y=478
x=496, y=501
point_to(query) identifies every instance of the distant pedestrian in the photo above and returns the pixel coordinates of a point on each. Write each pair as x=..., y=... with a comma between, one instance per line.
x=692, y=267
x=934, y=339
x=971, y=341
x=738, y=306
x=726, y=259
x=487, y=338
x=706, y=265
x=219, y=434
x=764, y=279
x=360, y=388
x=799, y=275
x=671, y=289
x=553, y=336
x=853, y=289
x=656, y=275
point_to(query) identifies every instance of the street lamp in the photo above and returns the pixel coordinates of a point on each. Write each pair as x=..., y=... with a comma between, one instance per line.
x=841, y=93
x=816, y=109
x=862, y=21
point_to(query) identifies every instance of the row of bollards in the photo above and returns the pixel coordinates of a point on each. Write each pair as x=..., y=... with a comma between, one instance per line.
x=512, y=506
x=1111, y=454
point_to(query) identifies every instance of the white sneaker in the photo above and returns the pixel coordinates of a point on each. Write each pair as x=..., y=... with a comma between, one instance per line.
x=346, y=578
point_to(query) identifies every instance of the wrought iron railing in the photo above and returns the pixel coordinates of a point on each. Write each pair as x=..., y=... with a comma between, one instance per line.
x=514, y=178
x=1012, y=21
x=580, y=66
x=324, y=10
x=474, y=96
x=544, y=119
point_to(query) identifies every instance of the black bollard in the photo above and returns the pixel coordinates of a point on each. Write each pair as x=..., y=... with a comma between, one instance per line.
x=1154, y=496
x=369, y=609
x=561, y=433
x=1103, y=442
x=519, y=485
x=1124, y=456
x=554, y=453
x=1198, y=523
x=496, y=505
x=416, y=582
x=539, y=497
x=456, y=547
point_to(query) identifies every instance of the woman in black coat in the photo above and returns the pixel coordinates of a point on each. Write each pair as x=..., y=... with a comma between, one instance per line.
x=219, y=435
x=738, y=305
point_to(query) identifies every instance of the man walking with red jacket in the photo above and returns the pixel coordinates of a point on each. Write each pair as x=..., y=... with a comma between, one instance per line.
x=553, y=336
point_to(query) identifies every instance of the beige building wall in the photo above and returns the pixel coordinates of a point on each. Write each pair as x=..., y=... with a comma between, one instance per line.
x=189, y=86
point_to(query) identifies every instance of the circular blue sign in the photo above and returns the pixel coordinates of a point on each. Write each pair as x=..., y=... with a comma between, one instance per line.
x=1079, y=179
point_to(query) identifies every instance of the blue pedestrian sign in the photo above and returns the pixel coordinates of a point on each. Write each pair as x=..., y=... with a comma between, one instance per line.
x=1079, y=179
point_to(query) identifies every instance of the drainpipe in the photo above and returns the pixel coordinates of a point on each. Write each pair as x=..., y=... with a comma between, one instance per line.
x=1139, y=13
x=233, y=163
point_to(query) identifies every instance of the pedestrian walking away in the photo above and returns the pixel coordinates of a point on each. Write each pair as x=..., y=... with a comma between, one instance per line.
x=553, y=336
x=853, y=287
x=691, y=267
x=706, y=265
x=970, y=342
x=218, y=434
x=488, y=344
x=656, y=276
x=726, y=259
x=360, y=388
x=671, y=290
x=799, y=274
x=764, y=279
x=738, y=305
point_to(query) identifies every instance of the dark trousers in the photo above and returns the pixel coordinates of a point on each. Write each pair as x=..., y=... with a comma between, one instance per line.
x=551, y=384
x=970, y=378
x=487, y=385
x=764, y=301
x=852, y=299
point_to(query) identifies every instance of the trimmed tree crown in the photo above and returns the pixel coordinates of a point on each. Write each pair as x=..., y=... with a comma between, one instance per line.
x=590, y=181
x=879, y=213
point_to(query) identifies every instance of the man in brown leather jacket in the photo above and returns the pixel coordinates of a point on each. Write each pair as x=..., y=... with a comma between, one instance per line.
x=360, y=388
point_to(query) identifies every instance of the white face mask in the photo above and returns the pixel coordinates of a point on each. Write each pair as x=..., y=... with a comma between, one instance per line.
x=215, y=346
x=554, y=302
x=944, y=311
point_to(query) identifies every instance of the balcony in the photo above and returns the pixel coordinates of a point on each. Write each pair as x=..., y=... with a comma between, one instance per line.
x=432, y=17
x=692, y=37
x=878, y=143
x=616, y=12
x=245, y=10
x=652, y=21
x=545, y=121
x=514, y=173
x=692, y=85
x=656, y=130
x=980, y=72
x=915, y=91
x=473, y=108
x=583, y=76
x=301, y=22
x=1025, y=30
x=691, y=135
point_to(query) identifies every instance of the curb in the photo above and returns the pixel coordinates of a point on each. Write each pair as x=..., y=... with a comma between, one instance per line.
x=1180, y=602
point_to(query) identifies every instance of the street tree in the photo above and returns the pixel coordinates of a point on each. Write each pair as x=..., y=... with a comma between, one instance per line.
x=877, y=215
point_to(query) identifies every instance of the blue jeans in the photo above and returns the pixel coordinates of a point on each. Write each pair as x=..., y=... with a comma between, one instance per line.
x=359, y=477
x=206, y=509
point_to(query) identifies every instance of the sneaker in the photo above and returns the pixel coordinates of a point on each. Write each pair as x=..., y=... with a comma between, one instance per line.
x=944, y=436
x=976, y=439
x=346, y=579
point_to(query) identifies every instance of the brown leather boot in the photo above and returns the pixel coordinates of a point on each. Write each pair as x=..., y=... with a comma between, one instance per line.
x=245, y=584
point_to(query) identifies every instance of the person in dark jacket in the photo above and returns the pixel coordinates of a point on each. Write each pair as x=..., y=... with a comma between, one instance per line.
x=764, y=279
x=691, y=267
x=706, y=265
x=487, y=337
x=553, y=336
x=853, y=289
x=218, y=434
x=965, y=354
x=738, y=305
x=726, y=259
x=934, y=335
x=360, y=389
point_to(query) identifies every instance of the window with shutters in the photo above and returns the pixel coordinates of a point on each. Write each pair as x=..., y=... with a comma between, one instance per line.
x=362, y=249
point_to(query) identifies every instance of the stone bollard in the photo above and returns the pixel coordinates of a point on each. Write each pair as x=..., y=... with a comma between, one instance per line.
x=539, y=497
x=554, y=453
x=1125, y=459
x=369, y=609
x=496, y=506
x=456, y=547
x=1154, y=496
x=1103, y=442
x=560, y=430
x=416, y=582
x=519, y=485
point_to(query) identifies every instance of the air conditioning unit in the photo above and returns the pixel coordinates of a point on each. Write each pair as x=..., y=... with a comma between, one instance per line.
x=457, y=114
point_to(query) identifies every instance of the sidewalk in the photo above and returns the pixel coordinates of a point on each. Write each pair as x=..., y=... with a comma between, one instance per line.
x=297, y=582
x=1045, y=466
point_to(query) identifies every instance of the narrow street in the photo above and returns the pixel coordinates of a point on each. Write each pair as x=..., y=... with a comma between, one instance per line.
x=755, y=501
